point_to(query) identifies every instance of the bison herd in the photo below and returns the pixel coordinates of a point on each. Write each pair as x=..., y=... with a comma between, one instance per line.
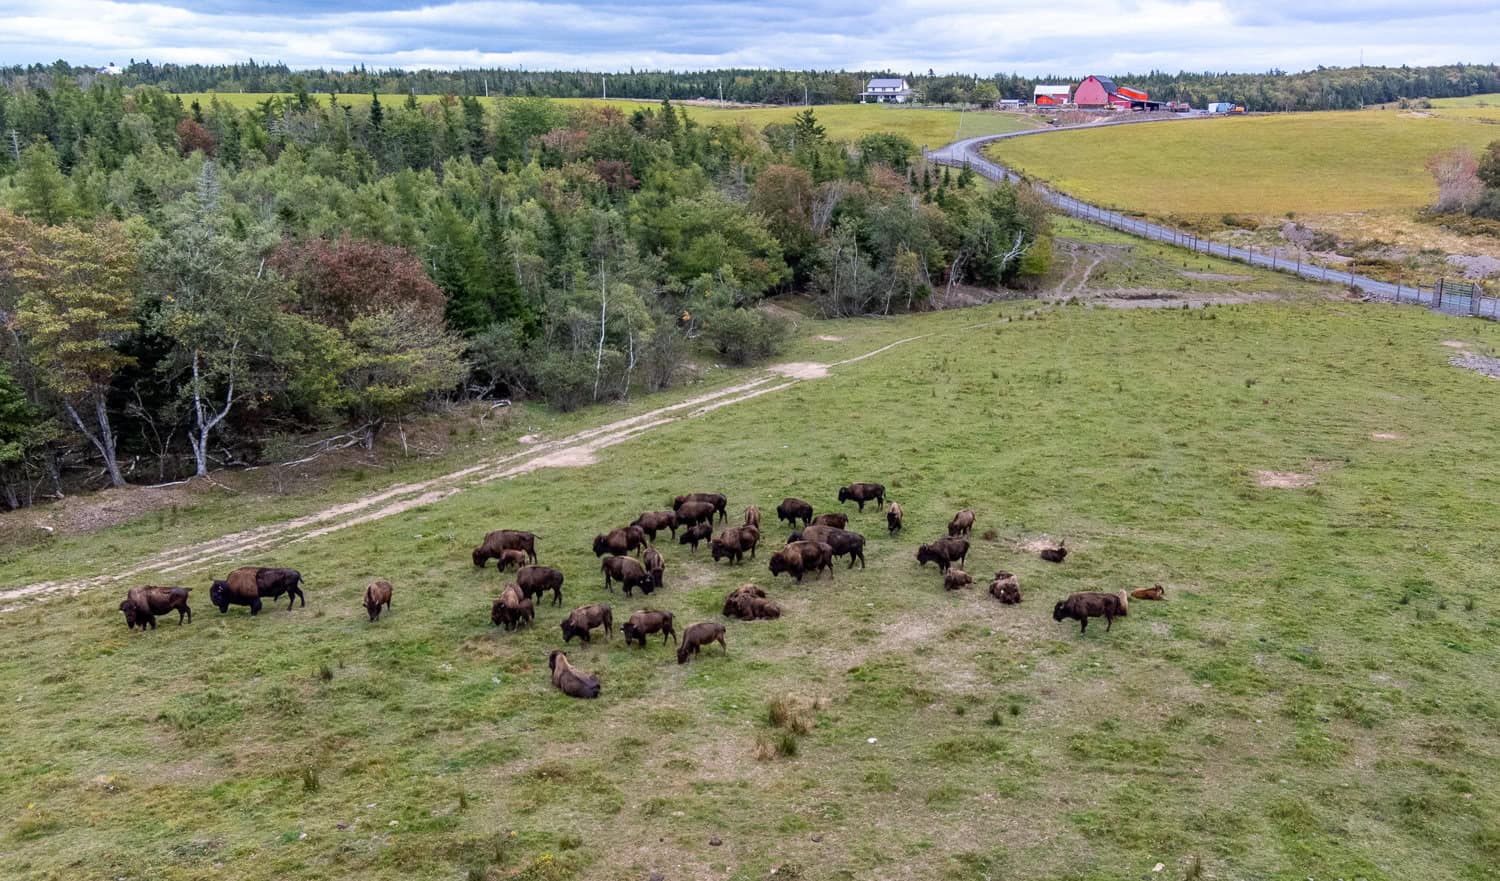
x=629, y=556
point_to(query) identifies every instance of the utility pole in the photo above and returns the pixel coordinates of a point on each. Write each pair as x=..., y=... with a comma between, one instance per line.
x=604, y=80
x=15, y=144
x=721, y=93
x=486, y=87
x=805, y=102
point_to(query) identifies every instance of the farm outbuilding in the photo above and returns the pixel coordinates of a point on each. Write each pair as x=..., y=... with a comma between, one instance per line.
x=1101, y=92
x=1045, y=95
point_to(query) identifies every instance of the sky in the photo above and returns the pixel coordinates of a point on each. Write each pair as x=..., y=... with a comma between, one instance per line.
x=950, y=36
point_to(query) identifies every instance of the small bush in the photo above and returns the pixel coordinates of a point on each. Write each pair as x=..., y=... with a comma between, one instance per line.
x=785, y=712
x=744, y=335
x=786, y=744
x=310, y=781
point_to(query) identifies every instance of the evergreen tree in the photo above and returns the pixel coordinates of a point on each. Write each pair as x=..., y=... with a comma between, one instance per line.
x=42, y=191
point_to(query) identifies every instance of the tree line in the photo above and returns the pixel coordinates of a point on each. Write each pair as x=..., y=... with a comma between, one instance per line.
x=1326, y=88
x=182, y=285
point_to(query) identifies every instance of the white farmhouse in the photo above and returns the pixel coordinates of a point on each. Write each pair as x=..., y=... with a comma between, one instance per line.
x=883, y=90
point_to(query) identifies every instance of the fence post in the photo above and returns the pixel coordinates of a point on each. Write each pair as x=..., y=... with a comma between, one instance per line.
x=1474, y=294
x=1437, y=294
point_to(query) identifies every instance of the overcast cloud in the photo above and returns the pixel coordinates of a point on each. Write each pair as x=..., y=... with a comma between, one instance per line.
x=975, y=36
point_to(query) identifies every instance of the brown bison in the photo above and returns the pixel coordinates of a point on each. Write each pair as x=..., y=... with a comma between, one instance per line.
x=695, y=534
x=843, y=542
x=752, y=516
x=585, y=618
x=513, y=609
x=629, y=572
x=944, y=552
x=142, y=604
x=1006, y=588
x=248, y=585
x=537, y=580
x=717, y=500
x=749, y=603
x=801, y=557
x=1149, y=593
x=511, y=557
x=734, y=541
x=1091, y=604
x=861, y=493
x=377, y=594
x=655, y=565
x=961, y=523
x=791, y=510
x=837, y=521
x=695, y=512
x=699, y=635
x=569, y=679
x=647, y=622
x=504, y=540
x=620, y=541
x=1056, y=555
x=955, y=578
x=652, y=522
x=893, y=519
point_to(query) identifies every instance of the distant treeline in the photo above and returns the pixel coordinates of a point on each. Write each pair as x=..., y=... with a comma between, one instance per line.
x=1331, y=88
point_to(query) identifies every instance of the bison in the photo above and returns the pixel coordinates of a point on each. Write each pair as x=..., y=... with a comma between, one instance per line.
x=791, y=510
x=248, y=585
x=629, y=572
x=504, y=540
x=861, y=493
x=585, y=618
x=511, y=557
x=893, y=519
x=843, y=542
x=620, y=541
x=717, y=500
x=652, y=522
x=944, y=552
x=1056, y=555
x=695, y=534
x=752, y=516
x=377, y=594
x=955, y=578
x=647, y=622
x=655, y=565
x=513, y=609
x=695, y=512
x=142, y=604
x=734, y=542
x=537, y=580
x=1156, y=592
x=1091, y=604
x=749, y=603
x=801, y=557
x=1006, y=588
x=700, y=634
x=961, y=523
x=569, y=679
x=837, y=521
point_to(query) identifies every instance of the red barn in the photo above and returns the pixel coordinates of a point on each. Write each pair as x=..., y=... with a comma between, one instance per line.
x=1101, y=91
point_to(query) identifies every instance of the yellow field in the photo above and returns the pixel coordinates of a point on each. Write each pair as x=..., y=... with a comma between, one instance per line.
x=843, y=121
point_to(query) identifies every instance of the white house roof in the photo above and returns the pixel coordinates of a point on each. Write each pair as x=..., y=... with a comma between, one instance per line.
x=1053, y=90
x=887, y=84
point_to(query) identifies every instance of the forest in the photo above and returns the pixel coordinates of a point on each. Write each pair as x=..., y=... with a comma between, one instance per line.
x=181, y=285
x=1326, y=88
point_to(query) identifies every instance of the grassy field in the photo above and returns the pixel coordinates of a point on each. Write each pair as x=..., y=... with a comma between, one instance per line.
x=923, y=125
x=1316, y=699
x=1490, y=99
x=1306, y=163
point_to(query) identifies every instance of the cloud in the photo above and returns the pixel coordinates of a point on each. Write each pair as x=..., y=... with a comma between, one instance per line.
x=979, y=36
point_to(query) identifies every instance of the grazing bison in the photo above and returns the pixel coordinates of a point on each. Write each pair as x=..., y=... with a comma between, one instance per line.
x=1056, y=555
x=801, y=557
x=505, y=540
x=620, y=541
x=585, y=618
x=248, y=585
x=749, y=603
x=1149, y=593
x=961, y=523
x=695, y=512
x=694, y=534
x=653, y=522
x=893, y=519
x=655, y=565
x=752, y=516
x=843, y=542
x=509, y=558
x=569, y=679
x=1006, y=588
x=142, y=604
x=791, y=510
x=944, y=552
x=537, y=580
x=734, y=541
x=700, y=634
x=1090, y=604
x=513, y=609
x=377, y=594
x=647, y=622
x=861, y=493
x=717, y=500
x=954, y=578
x=837, y=521
x=629, y=572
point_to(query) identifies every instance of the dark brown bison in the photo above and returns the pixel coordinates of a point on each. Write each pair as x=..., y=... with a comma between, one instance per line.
x=142, y=604
x=962, y=523
x=652, y=522
x=843, y=542
x=750, y=603
x=1056, y=555
x=629, y=572
x=695, y=512
x=893, y=518
x=752, y=516
x=801, y=557
x=569, y=679
x=954, y=578
x=248, y=585
x=511, y=557
x=1149, y=593
x=537, y=580
x=694, y=534
x=620, y=541
x=699, y=635
x=944, y=552
x=1091, y=604
x=377, y=594
x=505, y=540
x=861, y=493
x=513, y=609
x=655, y=565
x=717, y=500
x=791, y=510
x=1006, y=588
x=646, y=622
x=585, y=618
x=837, y=521
x=734, y=541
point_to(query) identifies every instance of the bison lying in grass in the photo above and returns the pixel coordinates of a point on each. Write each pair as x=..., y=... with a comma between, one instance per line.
x=378, y=594
x=699, y=635
x=646, y=622
x=142, y=604
x=1006, y=588
x=505, y=540
x=956, y=578
x=585, y=618
x=1091, y=604
x=1055, y=555
x=569, y=679
x=1156, y=592
x=749, y=603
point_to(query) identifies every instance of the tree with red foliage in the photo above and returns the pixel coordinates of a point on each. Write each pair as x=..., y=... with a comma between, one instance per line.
x=342, y=280
x=192, y=137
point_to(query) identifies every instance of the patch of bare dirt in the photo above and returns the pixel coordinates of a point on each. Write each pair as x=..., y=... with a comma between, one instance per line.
x=830, y=339
x=1478, y=363
x=109, y=507
x=1475, y=265
x=1146, y=298
x=800, y=370
x=1455, y=344
x=529, y=439
x=1386, y=435
x=1284, y=479
x=1215, y=276
x=1037, y=545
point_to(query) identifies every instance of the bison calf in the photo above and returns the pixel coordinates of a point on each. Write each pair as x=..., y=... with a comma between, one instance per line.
x=694, y=534
x=655, y=565
x=1156, y=592
x=569, y=679
x=509, y=558
x=893, y=519
x=585, y=618
x=142, y=604
x=377, y=594
x=647, y=622
x=1055, y=555
x=953, y=579
x=1091, y=604
x=699, y=635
